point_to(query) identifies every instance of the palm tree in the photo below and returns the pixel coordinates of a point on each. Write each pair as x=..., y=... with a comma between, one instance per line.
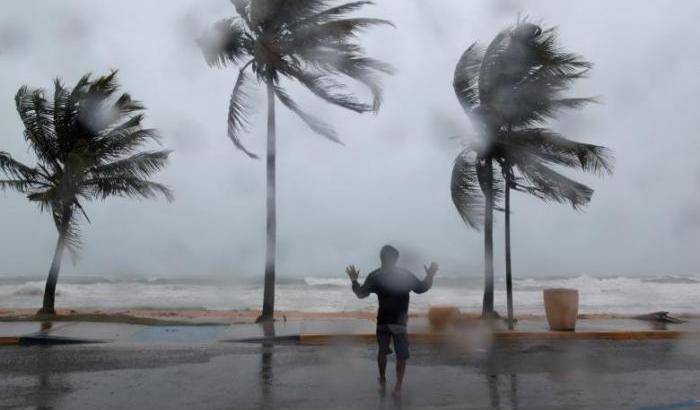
x=87, y=143
x=510, y=91
x=304, y=41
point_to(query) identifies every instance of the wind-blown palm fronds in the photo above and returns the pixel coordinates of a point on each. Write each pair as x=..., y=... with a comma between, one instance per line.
x=510, y=90
x=306, y=41
x=313, y=43
x=87, y=141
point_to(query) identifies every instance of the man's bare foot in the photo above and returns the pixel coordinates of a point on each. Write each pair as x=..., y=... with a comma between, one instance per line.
x=382, y=384
x=396, y=393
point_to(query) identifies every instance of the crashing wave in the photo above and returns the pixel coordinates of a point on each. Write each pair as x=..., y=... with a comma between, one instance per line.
x=32, y=289
x=339, y=282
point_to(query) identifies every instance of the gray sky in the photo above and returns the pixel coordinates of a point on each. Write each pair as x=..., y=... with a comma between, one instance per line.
x=390, y=183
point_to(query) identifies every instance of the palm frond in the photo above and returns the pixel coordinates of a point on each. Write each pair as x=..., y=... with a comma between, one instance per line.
x=261, y=11
x=492, y=66
x=239, y=110
x=555, y=74
x=338, y=30
x=46, y=199
x=81, y=87
x=535, y=108
x=65, y=109
x=98, y=114
x=243, y=10
x=327, y=88
x=331, y=13
x=123, y=140
x=318, y=126
x=16, y=169
x=279, y=14
x=548, y=184
x=546, y=51
x=125, y=105
x=466, y=192
x=79, y=207
x=141, y=165
x=554, y=148
x=71, y=234
x=37, y=116
x=572, y=103
x=225, y=43
x=105, y=86
x=338, y=57
x=18, y=185
x=466, y=78
x=365, y=70
x=334, y=56
x=130, y=187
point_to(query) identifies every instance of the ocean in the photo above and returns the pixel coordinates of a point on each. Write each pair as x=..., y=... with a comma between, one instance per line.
x=613, y=295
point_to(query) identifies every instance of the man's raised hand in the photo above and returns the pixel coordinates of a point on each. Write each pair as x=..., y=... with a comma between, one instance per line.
x=352, y=272
x=432, y=269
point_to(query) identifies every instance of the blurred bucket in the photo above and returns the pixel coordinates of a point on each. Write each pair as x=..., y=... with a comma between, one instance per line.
x=561, y=306
x=441, y=316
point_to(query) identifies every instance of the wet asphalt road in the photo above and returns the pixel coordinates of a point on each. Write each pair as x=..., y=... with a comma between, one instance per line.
x=580, y=375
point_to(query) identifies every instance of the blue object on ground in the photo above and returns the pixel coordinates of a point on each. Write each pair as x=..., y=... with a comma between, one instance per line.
x=690, y=404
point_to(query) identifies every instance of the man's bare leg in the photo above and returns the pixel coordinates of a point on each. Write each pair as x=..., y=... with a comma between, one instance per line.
x=381, y=364
x=400, y=372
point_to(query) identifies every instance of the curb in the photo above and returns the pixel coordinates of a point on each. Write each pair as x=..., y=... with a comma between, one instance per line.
x=436, y=338
x=44, y=340
x=32, y=340
x=9, y=341
x=594, y=335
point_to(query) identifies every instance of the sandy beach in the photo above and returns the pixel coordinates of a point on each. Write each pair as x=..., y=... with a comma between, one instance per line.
x=205, y=316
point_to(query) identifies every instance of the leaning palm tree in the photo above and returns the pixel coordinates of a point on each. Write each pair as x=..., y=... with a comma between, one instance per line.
x=88, y=145
x=305, y=41
x=510, y=90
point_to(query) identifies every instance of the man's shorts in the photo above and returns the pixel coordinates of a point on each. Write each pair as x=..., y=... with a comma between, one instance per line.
x=385, y=333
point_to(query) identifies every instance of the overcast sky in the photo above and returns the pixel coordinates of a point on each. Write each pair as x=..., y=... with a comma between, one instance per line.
x=390, y=183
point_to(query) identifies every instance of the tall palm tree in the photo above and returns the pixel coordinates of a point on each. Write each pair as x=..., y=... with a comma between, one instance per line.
x=305, y=41
x=510, y=91
x=87, y=142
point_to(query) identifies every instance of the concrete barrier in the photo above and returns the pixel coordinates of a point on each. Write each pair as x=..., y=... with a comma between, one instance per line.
x=437, y=338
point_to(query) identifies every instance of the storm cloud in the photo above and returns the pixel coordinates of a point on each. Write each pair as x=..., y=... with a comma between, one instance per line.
x=390, y=183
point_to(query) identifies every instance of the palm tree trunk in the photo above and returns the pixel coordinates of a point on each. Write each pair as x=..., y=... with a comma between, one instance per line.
x=487, y=309
x=50, y=289
x=271, y=246
x=509, y=277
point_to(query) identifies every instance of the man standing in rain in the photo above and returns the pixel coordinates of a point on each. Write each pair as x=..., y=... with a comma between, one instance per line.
x=392, y=285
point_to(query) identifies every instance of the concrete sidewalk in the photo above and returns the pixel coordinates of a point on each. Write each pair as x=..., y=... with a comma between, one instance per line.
x=316, y=331
x=581, y=375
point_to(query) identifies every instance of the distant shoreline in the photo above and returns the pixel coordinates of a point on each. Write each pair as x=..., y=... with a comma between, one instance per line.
x=160, y=316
